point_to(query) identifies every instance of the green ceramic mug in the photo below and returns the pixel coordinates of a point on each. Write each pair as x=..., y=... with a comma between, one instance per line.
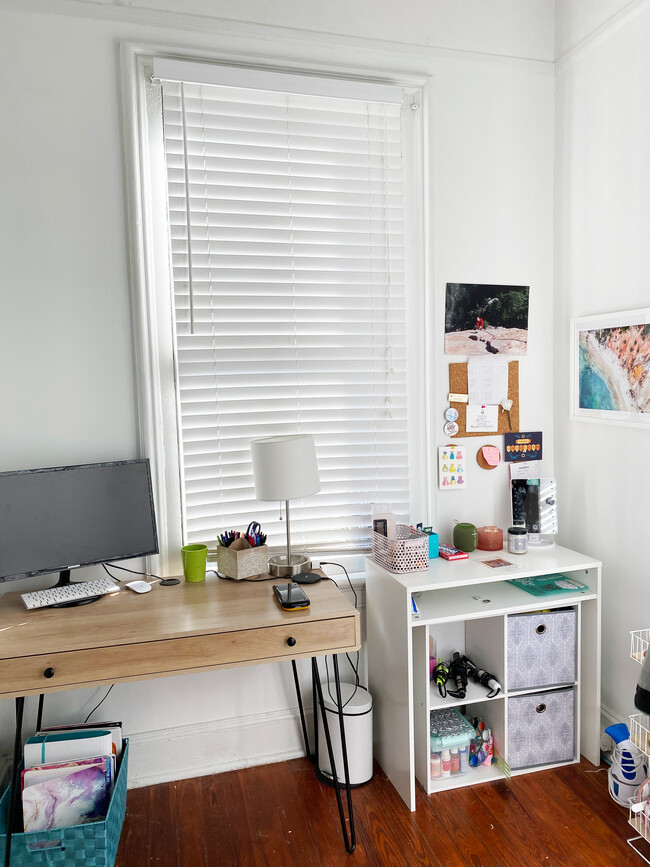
x=465, y=537
x=195, y=559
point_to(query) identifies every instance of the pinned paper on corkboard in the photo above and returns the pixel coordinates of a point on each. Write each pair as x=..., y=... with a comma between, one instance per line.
x=507, y=422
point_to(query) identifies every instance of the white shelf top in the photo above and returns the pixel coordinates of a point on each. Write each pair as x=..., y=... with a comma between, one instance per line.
x=443, y=574
x=474, y=601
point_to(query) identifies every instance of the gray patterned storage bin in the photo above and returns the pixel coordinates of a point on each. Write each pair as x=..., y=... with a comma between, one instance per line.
x=541, y=728
x=542, y=649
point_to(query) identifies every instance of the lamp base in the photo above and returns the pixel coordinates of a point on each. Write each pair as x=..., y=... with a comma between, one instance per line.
x=283, y=567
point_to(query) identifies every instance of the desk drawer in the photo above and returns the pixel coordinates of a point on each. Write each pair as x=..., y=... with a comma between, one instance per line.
x=33, y=674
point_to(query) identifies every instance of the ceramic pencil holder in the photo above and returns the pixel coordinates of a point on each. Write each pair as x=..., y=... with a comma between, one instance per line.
x=240, y=561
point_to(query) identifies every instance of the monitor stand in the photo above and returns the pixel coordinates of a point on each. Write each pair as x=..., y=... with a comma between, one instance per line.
x=539, y=540
x=64, y=580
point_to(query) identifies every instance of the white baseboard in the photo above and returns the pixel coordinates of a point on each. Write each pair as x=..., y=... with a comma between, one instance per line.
x=209, y=748
x=609, y=717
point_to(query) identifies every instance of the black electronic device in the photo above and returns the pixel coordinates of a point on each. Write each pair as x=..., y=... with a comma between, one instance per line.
x=291, y=596
x=307, y=578
x=60, y=518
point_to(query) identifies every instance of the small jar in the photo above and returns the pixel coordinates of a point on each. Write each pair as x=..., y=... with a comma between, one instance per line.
x=517, y=540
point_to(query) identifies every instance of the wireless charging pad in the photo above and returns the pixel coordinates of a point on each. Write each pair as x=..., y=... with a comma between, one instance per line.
x=167, y=582
x=307, y=578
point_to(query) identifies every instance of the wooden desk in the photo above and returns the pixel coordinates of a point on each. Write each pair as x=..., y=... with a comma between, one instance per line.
x=171, y=630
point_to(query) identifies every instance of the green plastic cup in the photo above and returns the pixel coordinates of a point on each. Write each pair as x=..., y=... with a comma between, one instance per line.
x=195, y=559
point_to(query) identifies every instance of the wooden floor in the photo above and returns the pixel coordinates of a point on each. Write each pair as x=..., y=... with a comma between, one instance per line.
x=281, y=815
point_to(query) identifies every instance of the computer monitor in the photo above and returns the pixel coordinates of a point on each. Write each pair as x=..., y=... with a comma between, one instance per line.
x=60, y=518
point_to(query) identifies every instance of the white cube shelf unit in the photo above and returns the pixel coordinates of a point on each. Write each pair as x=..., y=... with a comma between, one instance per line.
x=464, y=605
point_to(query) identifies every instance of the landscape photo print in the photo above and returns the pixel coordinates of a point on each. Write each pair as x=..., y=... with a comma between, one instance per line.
x=481, y=319
x=611, y=367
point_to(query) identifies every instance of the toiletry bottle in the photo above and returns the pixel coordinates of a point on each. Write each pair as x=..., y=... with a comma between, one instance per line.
x=455, y=762
x=488, y=748
x=436, y=765
x=446, y=763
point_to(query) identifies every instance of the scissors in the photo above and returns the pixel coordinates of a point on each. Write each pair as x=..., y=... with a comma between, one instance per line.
x=254, y=534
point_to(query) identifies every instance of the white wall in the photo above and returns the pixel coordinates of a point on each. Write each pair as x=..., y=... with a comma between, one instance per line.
x=68, y=388
x=578, y=20
x=603, y=261
x=492, y=159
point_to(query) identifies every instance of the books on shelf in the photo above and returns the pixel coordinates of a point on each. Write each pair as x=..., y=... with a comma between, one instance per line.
x=68, y=774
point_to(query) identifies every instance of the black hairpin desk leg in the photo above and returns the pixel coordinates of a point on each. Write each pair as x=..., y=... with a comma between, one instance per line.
x=349, y=840
x=39, y=715
x=317, y=693
x=301, y=709
x=14, y=793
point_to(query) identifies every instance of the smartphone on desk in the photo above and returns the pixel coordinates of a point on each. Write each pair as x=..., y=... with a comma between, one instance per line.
x=291, y=596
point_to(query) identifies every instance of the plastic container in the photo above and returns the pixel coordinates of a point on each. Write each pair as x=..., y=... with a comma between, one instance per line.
x=450, y=735
x=407, y=552
x=357, y=720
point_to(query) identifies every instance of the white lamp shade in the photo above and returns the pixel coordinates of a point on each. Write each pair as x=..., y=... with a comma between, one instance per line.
x=285, y=467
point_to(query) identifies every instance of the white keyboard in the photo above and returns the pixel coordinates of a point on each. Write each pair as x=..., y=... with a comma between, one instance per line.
x=69, y=593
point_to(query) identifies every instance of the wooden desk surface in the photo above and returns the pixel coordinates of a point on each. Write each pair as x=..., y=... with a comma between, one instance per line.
x=171, y=630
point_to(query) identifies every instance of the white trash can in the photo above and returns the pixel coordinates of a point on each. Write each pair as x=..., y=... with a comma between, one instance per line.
x=357, y=720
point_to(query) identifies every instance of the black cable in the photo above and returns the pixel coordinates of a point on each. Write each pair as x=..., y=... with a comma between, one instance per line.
x=100, y=703
x=132, y=571
x=341, y=566
x=353, y=666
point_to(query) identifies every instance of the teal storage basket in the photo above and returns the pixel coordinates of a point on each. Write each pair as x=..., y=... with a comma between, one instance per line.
x=91, y=845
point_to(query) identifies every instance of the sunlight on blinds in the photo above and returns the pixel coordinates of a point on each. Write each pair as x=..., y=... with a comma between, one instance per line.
x=287, y=252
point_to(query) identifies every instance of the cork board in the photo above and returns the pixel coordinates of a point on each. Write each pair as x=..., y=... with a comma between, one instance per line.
x=507, y=421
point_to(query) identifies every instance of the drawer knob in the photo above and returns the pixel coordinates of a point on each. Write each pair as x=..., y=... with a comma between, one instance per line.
x=49, y=672
x=541, y=629
x=291, y=641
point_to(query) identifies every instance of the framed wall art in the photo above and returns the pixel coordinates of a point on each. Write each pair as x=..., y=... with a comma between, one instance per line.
x=611, y=367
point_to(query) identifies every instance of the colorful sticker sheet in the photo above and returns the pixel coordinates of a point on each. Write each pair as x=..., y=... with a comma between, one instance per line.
x=452, y=473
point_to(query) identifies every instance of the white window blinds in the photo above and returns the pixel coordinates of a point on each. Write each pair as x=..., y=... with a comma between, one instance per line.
x=287, y=252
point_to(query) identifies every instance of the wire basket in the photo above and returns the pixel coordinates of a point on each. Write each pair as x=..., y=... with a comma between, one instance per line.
x=407, y=552
x=639, y=642
x=640, y=731
x=639, y=817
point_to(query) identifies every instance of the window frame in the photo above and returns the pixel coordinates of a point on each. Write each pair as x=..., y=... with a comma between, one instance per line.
x=156, y=388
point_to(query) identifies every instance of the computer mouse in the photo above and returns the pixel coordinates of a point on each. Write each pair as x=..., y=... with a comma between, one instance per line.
x=139, y=586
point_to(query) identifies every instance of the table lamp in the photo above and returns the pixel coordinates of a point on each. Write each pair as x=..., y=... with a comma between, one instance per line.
x=284, y=467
